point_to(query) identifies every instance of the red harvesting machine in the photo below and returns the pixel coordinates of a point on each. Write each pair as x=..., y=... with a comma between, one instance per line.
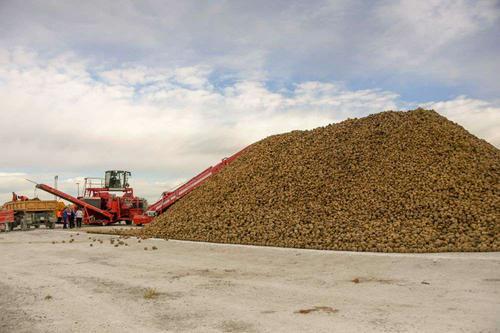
x=101, y=205
x=170, y=197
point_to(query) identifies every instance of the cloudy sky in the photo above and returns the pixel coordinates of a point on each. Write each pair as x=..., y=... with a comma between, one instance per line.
x=166, y=88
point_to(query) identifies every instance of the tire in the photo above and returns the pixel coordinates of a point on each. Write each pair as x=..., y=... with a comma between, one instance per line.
x=24, y=225
x=128, y=222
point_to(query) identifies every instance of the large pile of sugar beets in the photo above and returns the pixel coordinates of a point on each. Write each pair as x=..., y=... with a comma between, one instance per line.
x=390, y=182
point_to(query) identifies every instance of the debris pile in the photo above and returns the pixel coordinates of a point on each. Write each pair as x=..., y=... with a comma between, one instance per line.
x=390, y=182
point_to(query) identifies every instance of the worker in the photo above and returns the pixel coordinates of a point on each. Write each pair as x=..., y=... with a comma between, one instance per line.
x=65, y=218
x=79, y=217
x=71, y=216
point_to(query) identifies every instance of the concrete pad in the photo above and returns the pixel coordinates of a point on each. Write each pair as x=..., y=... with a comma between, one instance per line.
x=200, y=287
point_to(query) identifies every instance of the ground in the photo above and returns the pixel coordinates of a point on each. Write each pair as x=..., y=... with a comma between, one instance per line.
x=200, y=287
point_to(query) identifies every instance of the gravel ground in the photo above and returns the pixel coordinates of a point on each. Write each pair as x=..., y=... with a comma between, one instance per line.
x=200, y=287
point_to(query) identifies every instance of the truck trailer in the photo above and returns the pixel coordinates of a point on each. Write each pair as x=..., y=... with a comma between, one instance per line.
x=26, y=213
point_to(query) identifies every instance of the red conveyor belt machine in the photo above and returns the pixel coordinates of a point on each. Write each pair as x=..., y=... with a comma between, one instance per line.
x=103, y=206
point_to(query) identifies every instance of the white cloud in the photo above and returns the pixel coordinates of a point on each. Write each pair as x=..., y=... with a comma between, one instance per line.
x=193, y=77
x=12, y=174
x=128, y=76
x=434, y=38
x=478, y=117
x=386, y=42
x=430, y=25
x=64, y=116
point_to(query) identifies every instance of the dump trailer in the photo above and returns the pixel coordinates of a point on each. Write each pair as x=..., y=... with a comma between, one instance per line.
x=27, y=213
x=170, y=197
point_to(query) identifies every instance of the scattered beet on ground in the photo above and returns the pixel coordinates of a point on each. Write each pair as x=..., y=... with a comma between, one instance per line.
x=390, y=182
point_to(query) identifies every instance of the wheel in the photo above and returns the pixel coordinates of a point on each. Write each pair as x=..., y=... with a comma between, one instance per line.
x=24, y=225
x=128, y=222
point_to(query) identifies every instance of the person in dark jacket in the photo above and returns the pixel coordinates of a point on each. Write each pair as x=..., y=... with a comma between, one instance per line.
x=65, y=218
x=71, y=218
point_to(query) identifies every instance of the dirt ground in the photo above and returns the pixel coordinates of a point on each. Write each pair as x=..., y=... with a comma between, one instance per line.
x=200, y=287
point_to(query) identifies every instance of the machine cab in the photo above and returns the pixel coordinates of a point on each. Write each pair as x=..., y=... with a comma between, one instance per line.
x=116, y=179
